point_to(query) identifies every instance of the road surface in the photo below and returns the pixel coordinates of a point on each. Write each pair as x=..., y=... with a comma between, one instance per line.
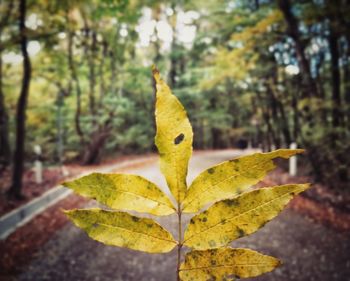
x=309, y=251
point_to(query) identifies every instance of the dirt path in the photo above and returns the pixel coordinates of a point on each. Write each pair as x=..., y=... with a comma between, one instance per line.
x=310, y=251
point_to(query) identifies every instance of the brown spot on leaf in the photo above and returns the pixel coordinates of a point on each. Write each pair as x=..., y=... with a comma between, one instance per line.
x=231, y=202
x=240, y=232
x=211, y=171
x=135, y=219
x=179, y=139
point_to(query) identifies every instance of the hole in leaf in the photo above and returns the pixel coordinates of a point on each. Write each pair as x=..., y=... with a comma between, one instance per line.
x=179, y=139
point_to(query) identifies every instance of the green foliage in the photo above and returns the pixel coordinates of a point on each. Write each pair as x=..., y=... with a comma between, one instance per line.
x=91, y=85
x=210, y=231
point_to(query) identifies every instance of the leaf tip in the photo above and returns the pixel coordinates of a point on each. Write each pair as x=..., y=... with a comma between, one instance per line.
x=306, y=185
x=66, y=183
x=286, y=152
x=154, y=69
x=155, y=72
x=70, y=213
x=299, y=150
x=67, y=212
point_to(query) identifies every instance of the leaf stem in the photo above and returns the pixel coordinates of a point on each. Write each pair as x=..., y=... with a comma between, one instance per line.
x=179, y=246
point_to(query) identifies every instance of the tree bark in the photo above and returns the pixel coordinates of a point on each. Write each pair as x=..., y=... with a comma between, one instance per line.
x=5, y=148
x=215, y=134
x=275, y=118
x=172, y=72
x=346, y=82
x=270, y=135
x=345, y=21
x=284, y=124
x=279, y=115
x=92, y=74
x=59, y=124
x=98, y=139
x=18, y=159
x=296, y=123
x=75, y=79
x=94, y=148
x=293, y=32
x=101, y=73
x=336, y=99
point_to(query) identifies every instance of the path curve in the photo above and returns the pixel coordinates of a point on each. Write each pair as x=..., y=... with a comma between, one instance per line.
x=309, y=251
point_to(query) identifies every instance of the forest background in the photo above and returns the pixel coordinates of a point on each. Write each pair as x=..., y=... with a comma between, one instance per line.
x=75, y=78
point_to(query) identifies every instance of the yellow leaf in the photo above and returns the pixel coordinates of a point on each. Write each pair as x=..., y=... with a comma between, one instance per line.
x=173, y=139
x=231, y=178
x=230, y=219
x=123, y=230
x=122, y=191
x=225, y=264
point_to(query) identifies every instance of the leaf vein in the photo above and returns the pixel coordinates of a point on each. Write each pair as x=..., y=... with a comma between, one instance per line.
x=133, y=231
x=239, y=215
x=226, y=179
x=226, y=265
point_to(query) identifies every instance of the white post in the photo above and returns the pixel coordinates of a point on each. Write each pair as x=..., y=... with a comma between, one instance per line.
x=64, y=171
x=38, y=166
x=38, y=171
x=250, y=145
x=293, y=161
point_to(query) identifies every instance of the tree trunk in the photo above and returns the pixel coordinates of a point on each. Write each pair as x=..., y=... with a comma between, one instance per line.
x=18, y=159
x=257, y=4
x=346, y=82
x=93, y=150
x=293, y=32
x=336, y=99
x=74, y=77
x=280, y=115
x=92, y=74
x=344, y=20
x=270, y=130
x=5, y=149
x=270, y=135
x=295, y=118
x=284, y=124
x=113, y=67
x=59, y=123
x=215, y=134
x=172, y=72
x=275, y=118
x=101, y=73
